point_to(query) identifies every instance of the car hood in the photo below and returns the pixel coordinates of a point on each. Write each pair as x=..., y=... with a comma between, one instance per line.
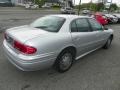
x=24, y=33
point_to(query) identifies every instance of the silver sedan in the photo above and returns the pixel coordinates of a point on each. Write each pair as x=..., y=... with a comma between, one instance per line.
x=54, y=40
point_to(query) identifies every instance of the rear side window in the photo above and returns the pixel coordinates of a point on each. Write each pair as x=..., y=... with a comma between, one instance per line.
x=80, y=25
x=95, y=25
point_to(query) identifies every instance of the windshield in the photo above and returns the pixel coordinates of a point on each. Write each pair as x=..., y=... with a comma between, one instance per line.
x=49, y=23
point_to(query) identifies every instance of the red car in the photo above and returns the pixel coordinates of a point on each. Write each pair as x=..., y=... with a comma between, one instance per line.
x=101, y=19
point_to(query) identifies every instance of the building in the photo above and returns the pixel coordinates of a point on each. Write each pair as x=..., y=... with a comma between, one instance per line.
x=102, y=1
x=66, y=3
x=20, y=2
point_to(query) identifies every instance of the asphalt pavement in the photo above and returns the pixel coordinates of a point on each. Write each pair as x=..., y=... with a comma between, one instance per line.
x=99, y=70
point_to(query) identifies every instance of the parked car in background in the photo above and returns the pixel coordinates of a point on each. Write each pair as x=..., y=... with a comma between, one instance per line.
x=67, y=10
x=54, y=40
x=117, y=11
x=118, y=16
x=105, y=11
x=101, y=19
x=6, y=3
x=85, y=11
x=31, y=5
x=47, y=5
x=111, y=18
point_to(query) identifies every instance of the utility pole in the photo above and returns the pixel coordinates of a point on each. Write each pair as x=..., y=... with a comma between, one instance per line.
x=74, y=2
x=34, y=1
x=79, y=7
x=91, y=5
x=110, y=6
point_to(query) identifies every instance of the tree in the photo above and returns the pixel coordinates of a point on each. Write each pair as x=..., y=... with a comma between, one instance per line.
x=39, y=2
x=93, y=7
x=100, y=6
x=113, y=7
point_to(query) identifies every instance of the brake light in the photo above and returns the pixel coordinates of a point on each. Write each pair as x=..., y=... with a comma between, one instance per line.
x=24, y=48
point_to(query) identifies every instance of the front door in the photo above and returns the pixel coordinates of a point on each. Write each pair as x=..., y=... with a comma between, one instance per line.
x=101, y=35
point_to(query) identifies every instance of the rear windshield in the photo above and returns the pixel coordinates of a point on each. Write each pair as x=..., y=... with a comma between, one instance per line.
x=49, y=23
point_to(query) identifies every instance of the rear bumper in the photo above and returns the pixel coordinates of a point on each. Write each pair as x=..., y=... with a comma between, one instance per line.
x=67, y=12
x=28, y=63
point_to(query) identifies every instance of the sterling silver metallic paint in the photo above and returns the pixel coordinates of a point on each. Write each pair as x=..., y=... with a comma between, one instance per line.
x=50, y=44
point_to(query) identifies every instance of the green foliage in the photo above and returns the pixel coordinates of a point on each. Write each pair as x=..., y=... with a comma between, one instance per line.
x=113, y=7
x=55, y=6
x=93, y=7
x=100, y=6
x=39, y=2
x=96, y=6
x=90, y=6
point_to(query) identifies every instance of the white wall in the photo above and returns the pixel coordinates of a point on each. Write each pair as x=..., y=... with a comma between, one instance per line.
x=17, y=2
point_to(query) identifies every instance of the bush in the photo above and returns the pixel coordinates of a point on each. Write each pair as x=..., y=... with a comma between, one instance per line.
x=56, y=6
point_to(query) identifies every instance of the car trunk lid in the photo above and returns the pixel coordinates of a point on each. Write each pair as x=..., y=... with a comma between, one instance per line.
x=24, y=33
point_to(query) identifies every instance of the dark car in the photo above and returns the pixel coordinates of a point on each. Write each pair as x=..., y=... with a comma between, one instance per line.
x=6, y=3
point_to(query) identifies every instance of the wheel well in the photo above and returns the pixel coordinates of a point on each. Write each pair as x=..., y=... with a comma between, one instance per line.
x=111, y=36
x=71, y=49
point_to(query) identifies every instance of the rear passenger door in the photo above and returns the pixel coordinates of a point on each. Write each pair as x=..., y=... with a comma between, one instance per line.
x=82, y=36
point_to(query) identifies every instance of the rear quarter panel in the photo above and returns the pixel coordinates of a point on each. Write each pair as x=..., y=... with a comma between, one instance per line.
x=51, y=44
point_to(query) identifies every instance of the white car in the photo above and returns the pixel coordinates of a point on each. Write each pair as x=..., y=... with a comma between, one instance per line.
x=67, y=10
x=31, y=6
x=46, y=6
x=85, y=11
x=54, y=40
x=111, y=18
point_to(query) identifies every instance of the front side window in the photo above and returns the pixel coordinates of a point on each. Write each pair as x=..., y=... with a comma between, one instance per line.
x=82, y=25
x=49, y=23
x=73, y=27
x=95, y=25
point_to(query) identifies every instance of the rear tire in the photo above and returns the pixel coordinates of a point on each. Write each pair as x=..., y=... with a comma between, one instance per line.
x=64, y=61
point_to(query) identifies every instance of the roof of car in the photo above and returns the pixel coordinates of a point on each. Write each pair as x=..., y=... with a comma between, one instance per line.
x=70, y=16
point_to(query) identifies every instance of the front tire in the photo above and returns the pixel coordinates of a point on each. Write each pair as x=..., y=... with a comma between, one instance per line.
x=108, y=43
x=64, y=61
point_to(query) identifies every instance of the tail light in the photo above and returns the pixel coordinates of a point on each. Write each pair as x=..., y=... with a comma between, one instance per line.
x=24, y=48
x=19, y=46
